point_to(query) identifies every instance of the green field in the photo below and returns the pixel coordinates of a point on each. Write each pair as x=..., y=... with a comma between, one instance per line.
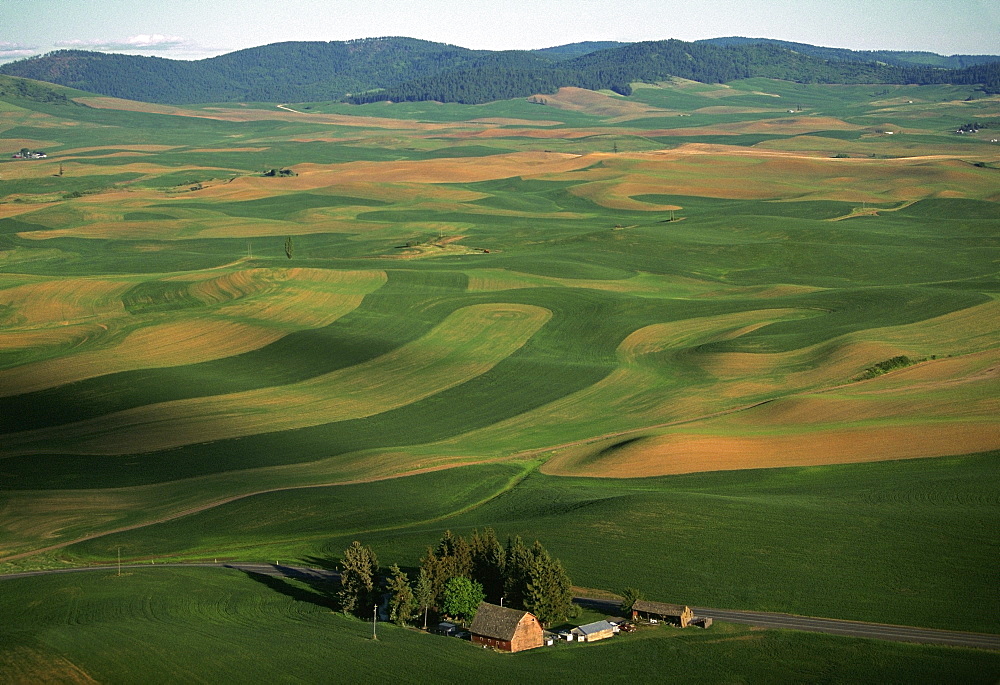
x=819, y=541
x=163, y=624
x=645, y=321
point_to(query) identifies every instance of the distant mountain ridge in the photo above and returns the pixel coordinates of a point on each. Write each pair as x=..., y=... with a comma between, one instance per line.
x=577, y=49
x=401, y=69
x=900, y=58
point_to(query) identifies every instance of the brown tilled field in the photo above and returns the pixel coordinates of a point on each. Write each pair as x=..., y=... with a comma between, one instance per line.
x=937, y=408
x=690, y=452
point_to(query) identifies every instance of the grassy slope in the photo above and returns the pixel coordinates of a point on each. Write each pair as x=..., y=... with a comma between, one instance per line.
x=167, y=625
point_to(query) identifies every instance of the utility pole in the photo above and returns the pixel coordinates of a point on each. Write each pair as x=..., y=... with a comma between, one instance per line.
x=374, y=618
x=119, y=561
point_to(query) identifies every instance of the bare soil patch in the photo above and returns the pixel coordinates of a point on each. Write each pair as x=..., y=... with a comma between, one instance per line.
x=690, y=452
x=62, y=301
x=455, y=170
x=171, y=344
x=591, y=102
x=24, y=666
x=501, y=121
x=787, y=126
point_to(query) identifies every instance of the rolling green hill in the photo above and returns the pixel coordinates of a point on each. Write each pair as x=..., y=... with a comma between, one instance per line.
x=635, y=327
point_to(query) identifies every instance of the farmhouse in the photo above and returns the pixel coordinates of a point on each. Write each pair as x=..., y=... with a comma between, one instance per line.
x=678, y=614
x=25, y=153
x=508, y=630
x=592, y=632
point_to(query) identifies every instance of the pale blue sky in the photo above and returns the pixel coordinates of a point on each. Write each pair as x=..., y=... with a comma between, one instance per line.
x=190, y=29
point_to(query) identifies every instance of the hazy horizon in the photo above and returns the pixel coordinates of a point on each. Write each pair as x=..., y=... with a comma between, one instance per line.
x=185, y=29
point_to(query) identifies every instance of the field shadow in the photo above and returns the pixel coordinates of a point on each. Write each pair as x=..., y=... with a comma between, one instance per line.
x=325, y=563
x=300, y=586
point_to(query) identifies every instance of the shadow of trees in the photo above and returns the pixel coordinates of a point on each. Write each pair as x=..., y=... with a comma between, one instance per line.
x=303, y=585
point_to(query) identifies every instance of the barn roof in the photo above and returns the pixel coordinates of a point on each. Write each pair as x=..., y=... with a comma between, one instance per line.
x=497, y=622
x=659, y=608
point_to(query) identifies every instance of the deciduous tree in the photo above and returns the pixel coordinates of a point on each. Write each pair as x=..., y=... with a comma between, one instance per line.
x=462, y=597
x=630, y=596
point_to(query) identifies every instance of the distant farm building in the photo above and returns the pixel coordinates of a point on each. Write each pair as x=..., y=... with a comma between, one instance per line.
x=28, y=154
x=445, y=628
x=600, y=630
x=508, y=630
x=678, y=614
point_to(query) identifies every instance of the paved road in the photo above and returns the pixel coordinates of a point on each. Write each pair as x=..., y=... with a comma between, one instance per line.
x=878, y=631
x=277, y=570
x=760, y=619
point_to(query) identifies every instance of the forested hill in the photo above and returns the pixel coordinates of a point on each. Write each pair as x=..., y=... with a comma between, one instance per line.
x=578, y=49
x=616, y=68
x=896, y=57
x=403, y=69
x=281, y=72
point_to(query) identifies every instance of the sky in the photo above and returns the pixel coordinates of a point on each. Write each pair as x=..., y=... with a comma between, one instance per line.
x=195, y=29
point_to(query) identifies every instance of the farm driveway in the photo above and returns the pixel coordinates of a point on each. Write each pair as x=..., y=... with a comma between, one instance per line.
x=831, y=626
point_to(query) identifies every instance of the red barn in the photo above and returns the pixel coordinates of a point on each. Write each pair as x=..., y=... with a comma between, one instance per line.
x=508, y=630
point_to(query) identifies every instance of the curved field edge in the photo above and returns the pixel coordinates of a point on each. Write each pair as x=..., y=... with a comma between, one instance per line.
x=199, y=624
x=560, y=359
x=75, y=516
x=844, y=541
x=467, y=343
x=908, y=410
x=237, y=312
x=936, y=408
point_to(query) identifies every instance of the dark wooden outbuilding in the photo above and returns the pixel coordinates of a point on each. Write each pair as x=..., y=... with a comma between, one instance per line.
x=678, y=614
x=508, y=630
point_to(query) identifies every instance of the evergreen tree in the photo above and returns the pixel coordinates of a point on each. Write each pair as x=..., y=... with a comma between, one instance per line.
x=436, y=572
x=518, y=562
x=358, y=578
x=488, y=563
x=456, y=555
x=548, y=593
x=423, y=593
x=288, y=247
x=401, y=602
